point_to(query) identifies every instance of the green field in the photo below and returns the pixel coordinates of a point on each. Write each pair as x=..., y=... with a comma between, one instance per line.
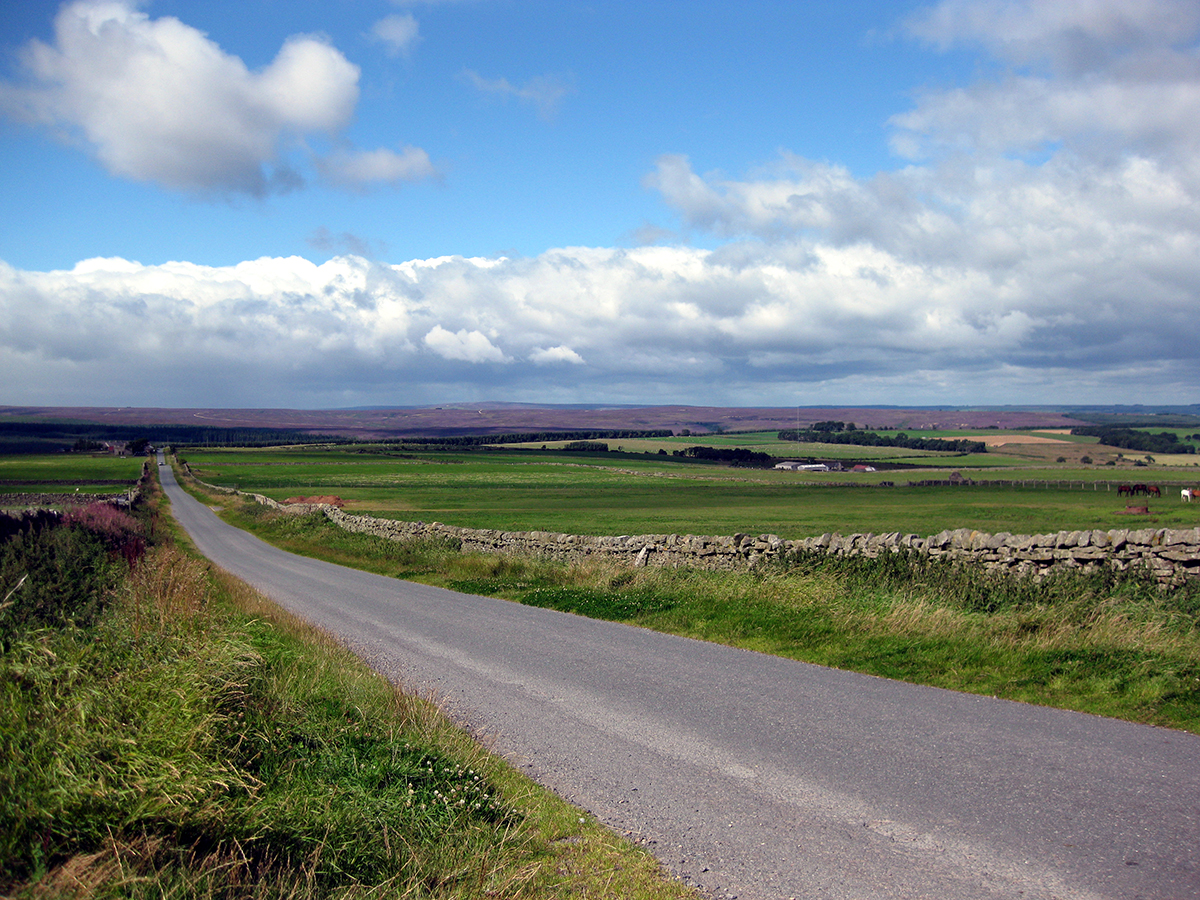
x=67, y=473
x=69, y=466
x=769, y=442
x=625, y=493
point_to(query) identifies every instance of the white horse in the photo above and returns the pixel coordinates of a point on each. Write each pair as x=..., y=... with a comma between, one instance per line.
x=1187, y=494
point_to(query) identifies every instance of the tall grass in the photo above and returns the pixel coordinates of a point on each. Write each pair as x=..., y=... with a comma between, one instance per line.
x=191, y=740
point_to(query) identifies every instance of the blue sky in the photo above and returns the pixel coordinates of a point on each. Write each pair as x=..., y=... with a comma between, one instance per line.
x=757, y=203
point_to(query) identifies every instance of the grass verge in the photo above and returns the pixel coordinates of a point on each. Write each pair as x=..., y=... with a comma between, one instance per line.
x=1108, y=644
x=184, y=737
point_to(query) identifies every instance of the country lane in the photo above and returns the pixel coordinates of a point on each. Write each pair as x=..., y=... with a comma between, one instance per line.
x=762, y=778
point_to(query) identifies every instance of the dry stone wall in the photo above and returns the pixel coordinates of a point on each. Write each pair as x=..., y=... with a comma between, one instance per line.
x=32, y=500
x=1169, y=554
x=37, y=501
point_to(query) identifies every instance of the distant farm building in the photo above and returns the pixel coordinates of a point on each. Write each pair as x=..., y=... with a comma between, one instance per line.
x=790, y=466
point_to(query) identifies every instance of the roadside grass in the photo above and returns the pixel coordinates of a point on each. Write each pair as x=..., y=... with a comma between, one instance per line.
x=1108, y=644
x=1103, y=645
x=190, y=739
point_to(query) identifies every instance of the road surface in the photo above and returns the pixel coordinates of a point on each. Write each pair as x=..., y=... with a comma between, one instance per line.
x=756, y=777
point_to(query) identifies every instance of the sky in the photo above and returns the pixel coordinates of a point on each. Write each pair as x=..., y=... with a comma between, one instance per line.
x=301, y=204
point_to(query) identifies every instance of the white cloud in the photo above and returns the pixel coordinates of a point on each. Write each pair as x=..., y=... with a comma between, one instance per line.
x=1056, y=202
x=752, y=323
x=467, y=346
x=797, y=195
x=544, y=92
x=398, y=33
x=158, y=101
x=1084, y=35
x=554, y=355
x=983, y=274
x=364, y=168
x=1096, y=76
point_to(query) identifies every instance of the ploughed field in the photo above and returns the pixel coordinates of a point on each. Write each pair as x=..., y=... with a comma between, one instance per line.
x=638, y=490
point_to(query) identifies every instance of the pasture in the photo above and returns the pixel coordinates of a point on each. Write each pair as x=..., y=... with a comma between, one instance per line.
x=67, y=472
x=624, y=493
x=1006, y=449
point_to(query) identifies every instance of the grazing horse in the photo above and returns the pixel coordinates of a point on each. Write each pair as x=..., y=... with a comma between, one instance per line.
x=1187, y=494
x=1125, y=490
x=1153, y=491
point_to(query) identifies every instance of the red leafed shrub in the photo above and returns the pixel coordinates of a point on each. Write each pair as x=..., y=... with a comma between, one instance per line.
x=119, y=530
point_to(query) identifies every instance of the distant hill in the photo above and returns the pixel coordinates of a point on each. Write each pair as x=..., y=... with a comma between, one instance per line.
x=460, y=419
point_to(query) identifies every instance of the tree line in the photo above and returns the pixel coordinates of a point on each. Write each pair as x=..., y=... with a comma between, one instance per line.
x=738, y=456
x=1129, y=439
x=873, y=439
x=20, y=437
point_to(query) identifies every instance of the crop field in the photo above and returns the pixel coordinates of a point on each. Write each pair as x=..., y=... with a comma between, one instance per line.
x=623, y=493
x=766, y=442
x=67, y=472
x=1006, y=449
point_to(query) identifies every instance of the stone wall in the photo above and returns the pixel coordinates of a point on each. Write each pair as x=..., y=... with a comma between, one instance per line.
x=31, y=501
x=1169, y=554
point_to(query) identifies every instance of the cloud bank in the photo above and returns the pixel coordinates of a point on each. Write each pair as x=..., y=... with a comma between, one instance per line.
x=1040, y=245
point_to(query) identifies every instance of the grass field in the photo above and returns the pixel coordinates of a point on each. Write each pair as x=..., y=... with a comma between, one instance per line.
x=623, y=493
x=67, y=473
x=64, y=467
x=769, y=442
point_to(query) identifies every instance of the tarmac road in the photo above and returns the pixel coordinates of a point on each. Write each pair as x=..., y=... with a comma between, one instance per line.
x=756, y=777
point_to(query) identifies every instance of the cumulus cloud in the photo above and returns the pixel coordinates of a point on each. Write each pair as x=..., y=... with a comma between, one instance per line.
x=1054, y=201
x=158, y=101
x=751, y=323
x=467, y=346
x=553, y=355
x=977, y=273
x=543, y=92
x=1095, y=76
